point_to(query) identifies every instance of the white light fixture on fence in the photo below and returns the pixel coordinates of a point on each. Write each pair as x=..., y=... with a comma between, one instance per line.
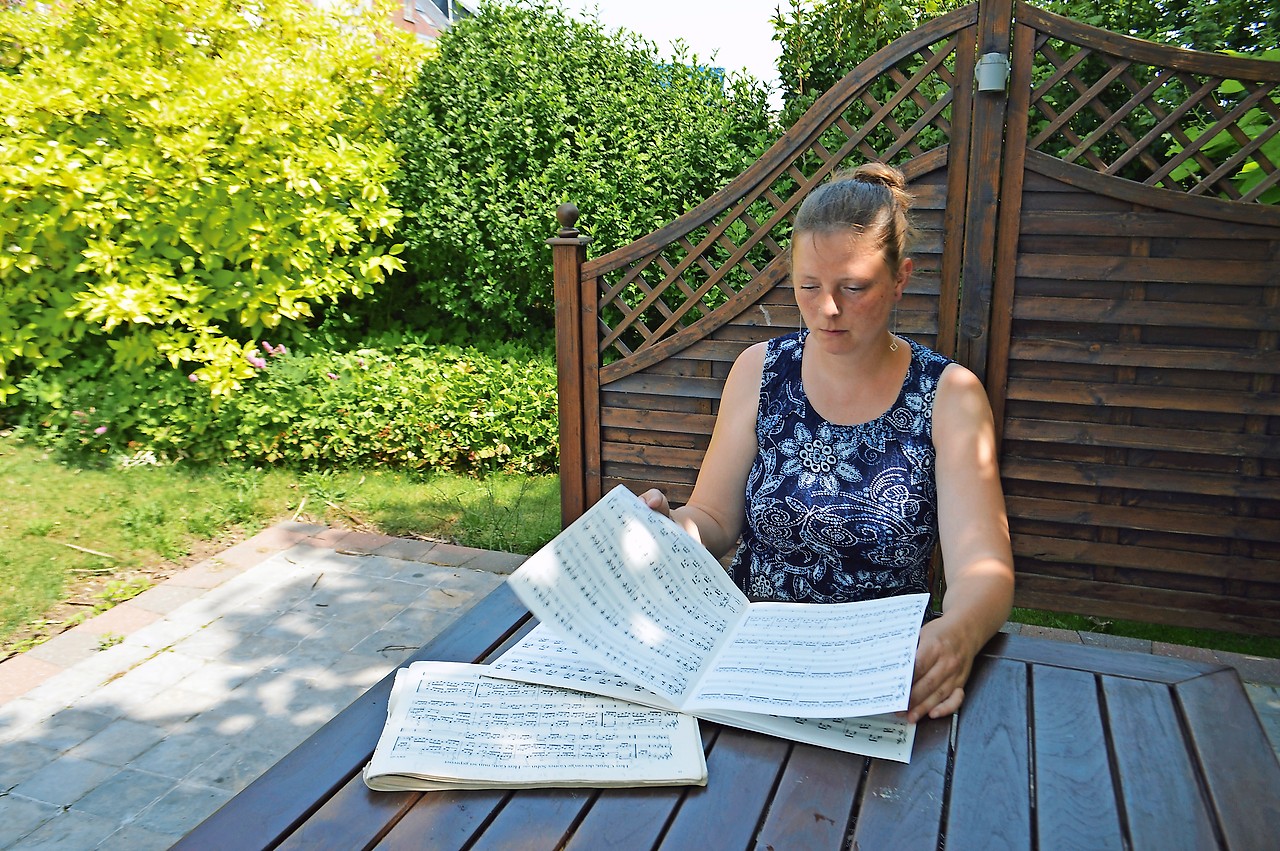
x=992, y=72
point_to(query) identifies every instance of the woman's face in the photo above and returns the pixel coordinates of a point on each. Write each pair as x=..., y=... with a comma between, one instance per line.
x=844, y=288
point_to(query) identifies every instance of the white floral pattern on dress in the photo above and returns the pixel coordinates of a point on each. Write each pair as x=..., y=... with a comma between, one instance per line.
x=836, y=513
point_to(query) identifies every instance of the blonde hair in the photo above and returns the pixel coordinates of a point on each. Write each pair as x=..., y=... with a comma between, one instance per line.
x=872, y=199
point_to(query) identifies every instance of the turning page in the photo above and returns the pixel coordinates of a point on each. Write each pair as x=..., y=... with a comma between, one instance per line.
x=635, y=594
x=451, y=727
x=543, y=657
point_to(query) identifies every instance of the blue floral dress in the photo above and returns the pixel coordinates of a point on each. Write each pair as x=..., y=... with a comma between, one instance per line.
x=836, y=513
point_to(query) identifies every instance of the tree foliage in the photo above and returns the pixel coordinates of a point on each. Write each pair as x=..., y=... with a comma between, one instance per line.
x=526, y=108
x=179, y=180
x=822, y=40
x=1242, y=26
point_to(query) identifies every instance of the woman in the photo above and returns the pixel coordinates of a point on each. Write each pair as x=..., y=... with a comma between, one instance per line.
x=843, y=453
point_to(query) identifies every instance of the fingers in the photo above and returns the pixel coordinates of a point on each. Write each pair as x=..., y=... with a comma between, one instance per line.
x=657, y=501
x=936, y=704
x=938, y=688
x=948, y=706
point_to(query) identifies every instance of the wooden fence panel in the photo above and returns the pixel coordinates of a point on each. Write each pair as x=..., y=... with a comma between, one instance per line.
x=1140, y=418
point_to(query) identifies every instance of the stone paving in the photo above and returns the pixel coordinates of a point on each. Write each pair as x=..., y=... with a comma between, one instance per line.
x=129, y=730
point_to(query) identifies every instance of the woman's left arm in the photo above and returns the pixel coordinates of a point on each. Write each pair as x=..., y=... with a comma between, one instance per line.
x=976, y=553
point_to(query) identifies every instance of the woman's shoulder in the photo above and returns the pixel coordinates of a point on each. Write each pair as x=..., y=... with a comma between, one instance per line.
x=749, y=365
x=754, y=354
x=929, y=359
x=788, y=341
x=958, y=391
x=787, y=349
x=961, y=399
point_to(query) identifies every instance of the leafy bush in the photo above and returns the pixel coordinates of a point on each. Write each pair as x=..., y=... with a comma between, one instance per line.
x=409, y=407
x=526, y=108
x=178, y=181
x=416, y=407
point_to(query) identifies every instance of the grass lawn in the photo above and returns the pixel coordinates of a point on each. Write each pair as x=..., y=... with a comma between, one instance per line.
x=74, y=542
x=1255, y=645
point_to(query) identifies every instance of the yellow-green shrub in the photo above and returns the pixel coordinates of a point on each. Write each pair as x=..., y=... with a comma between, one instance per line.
x=180, y=180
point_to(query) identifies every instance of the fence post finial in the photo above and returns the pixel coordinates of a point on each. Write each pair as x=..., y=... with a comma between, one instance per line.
x=567, y=216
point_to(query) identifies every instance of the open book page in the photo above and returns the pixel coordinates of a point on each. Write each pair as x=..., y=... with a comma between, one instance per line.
x=822, y=661
x=450, y=726
x=634, y=591
x=543, y=657
x=880, y=736
x=636, y=594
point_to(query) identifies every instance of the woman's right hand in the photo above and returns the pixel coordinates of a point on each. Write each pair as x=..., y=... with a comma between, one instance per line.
x=657, y=500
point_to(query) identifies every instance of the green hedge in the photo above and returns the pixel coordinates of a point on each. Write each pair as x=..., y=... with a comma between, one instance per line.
x=525, y=108
x=411, y=406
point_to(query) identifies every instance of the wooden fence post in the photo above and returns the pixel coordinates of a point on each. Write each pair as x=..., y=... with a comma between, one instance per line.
x=986, y=151
x=569, y=252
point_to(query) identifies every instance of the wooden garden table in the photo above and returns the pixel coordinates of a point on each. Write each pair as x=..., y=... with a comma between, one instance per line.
x=1057, y=746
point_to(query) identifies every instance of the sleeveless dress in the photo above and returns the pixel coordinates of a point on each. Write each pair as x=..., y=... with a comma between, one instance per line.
x=837, y=513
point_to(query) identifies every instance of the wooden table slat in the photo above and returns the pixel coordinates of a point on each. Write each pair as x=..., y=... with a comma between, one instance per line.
x=356, y=817
x=814, y=800
x=989, y=805
x=1163, y=804
x=625, y=819
x=1236, y=758
x=744, y=768
x=516, y=636
x=1098, y=660
x=452, y=819
x=1076, y=805
x=901, y=805
x=288, y=792
x=535, y=818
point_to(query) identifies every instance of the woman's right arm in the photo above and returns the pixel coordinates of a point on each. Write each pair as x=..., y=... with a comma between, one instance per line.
x=714, y=512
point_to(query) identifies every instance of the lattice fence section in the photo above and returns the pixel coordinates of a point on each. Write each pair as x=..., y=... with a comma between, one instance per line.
x=897, y=113
x=1202, y=132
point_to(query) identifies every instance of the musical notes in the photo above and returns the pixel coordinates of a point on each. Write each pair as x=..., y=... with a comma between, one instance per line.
x=635, y=595
x=543, y=657
x=449, y=726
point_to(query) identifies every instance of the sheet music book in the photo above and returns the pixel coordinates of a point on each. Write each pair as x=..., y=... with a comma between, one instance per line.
x=636, y=596
x=451, y=727
x=543, y=657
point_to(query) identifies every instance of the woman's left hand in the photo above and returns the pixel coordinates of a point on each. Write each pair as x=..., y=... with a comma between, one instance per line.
x=943, y=662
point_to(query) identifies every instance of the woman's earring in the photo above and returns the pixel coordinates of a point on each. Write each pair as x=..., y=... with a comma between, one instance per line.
x=893, y=333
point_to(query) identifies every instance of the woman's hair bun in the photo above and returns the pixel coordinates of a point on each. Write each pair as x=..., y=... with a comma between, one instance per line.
x=872, y=198
x=873, y=172
x=881, y=174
